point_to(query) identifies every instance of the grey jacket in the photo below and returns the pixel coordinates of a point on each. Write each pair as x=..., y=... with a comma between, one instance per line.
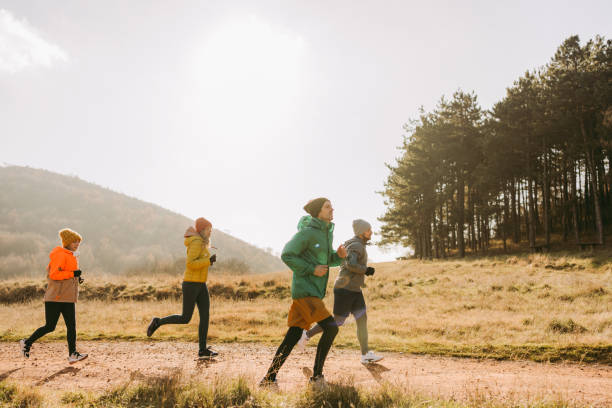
x=354, y=266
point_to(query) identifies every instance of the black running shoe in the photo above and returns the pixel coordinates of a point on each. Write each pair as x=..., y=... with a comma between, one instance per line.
x=207, y=354
x=154, y=325
x=318, y=382
x=25, y=348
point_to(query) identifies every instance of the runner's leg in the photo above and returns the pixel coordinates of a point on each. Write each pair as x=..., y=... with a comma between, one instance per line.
x=69, y=314
x=330, y=330
x=203, y=302
x=190, y=293
x=52, y=313
x=283, y=351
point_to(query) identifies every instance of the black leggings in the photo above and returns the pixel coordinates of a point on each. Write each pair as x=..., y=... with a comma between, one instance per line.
x=194, y=293
x=330, y=330
x=52, y=314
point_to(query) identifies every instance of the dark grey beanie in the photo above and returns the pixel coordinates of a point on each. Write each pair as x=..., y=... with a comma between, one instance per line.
x=360, y=226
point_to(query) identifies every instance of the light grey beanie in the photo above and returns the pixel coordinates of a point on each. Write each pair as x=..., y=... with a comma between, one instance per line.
x=360, y=226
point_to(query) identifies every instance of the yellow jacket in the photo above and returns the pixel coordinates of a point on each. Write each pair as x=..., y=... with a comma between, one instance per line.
x=198, y=257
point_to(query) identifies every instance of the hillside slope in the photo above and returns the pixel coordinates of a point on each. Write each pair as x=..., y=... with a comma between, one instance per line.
x=121, y=233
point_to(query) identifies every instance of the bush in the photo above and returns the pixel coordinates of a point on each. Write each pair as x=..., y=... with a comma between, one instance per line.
x=565, y=326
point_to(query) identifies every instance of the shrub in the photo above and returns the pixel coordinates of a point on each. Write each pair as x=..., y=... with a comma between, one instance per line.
x=565, y=326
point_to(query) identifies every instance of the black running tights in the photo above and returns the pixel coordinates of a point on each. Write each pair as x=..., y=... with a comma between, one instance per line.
x=52, y=314
x=330, y=330
x=194, y=293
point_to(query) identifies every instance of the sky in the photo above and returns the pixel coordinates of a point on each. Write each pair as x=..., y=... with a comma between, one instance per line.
x=242, y=111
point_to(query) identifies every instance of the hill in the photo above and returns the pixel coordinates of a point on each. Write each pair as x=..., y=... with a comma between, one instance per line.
x=121, y=234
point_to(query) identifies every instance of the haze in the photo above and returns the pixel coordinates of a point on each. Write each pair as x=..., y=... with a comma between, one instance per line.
x=242, y=111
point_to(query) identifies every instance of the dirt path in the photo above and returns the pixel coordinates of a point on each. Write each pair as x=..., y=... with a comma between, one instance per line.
x=114, y=363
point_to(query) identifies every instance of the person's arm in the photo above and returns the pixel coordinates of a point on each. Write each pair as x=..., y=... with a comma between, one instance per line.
x=292, y=252
x=57, y=268
x=337, y=256
x=352, y=259
x=335, y=259
x=194, y=259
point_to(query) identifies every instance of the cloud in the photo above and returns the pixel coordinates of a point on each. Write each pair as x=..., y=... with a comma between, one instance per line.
x=22, y=47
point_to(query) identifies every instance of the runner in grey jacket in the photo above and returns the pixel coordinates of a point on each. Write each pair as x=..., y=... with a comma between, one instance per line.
x=348, y=297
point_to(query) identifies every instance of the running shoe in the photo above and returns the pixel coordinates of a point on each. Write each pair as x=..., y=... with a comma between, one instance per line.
x=76, y=357
x=370, y=357
x=25, y=348
x=154, y=325
x=207, y=354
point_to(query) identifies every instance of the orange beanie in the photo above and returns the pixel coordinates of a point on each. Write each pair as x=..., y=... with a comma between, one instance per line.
x=69, y=236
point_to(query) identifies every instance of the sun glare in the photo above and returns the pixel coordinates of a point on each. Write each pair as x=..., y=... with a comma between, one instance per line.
x=248, y=72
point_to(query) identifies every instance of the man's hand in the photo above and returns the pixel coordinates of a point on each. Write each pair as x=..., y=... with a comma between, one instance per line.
x=213, y=259
x=370, y=271
x=341, y=251
x=320, y=270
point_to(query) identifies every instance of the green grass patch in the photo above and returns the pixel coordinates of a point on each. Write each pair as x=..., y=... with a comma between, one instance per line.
x=600, y=354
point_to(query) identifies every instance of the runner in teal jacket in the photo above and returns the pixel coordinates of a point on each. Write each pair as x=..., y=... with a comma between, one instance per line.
x=309, y=254
x=309, y=247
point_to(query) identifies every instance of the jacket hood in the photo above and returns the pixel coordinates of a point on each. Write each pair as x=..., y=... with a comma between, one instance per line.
x=355, y=240
x=191, y=232
x=308, y=221
x=192, y=235
x=59, y=249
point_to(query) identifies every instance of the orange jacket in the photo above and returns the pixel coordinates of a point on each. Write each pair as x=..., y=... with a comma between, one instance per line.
x=63, y=264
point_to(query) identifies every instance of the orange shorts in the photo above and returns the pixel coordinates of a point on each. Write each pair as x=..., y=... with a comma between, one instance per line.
x=306, y=311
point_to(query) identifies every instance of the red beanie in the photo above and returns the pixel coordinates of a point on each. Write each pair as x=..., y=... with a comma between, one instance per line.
x=201, y=224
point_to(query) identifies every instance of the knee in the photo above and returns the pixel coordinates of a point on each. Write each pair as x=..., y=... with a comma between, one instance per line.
x=184, y=319
x=340, y=320
x=361, y=319
x=360, y=314
x=295, y=332
x=49, y=327
x=331, y=330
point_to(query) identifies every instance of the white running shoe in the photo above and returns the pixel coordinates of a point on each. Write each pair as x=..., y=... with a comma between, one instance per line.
x=370, y=357
x=303, y=340
x=25, y=349
x=76, y=357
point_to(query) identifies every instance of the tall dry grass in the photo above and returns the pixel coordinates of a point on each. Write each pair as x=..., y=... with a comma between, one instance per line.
x=504, y=307
x=172, y=391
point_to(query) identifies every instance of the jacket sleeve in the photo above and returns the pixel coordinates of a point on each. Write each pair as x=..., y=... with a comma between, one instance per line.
x=292, y=252
x=352, y=259
x=57, y=268
x=194, y=261
x=335, y=260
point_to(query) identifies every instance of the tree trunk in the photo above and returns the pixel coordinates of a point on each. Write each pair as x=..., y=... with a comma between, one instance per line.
x=460, y=213
x=506, y=218
x=516, y=220
x=564, y=203
x=574, y=205
x=545, y=194
x=530, y=213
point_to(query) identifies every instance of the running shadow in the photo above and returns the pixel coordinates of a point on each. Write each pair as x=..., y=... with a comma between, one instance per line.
x=205, y=363
x=376, y=370
x=66, y=370
x=5, y=374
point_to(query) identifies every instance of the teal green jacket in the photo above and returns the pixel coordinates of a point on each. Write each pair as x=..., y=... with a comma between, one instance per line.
x=311, y=246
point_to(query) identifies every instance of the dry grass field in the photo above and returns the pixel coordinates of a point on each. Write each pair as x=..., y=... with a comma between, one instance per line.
x=538, y=307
